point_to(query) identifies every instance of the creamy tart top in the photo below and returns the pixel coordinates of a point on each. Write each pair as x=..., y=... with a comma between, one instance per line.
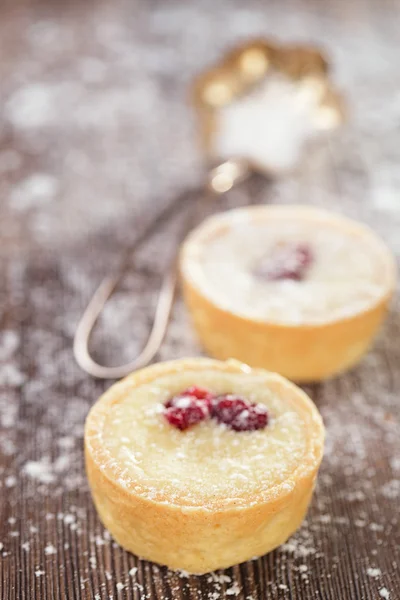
x=288, y=264
x=208, y=464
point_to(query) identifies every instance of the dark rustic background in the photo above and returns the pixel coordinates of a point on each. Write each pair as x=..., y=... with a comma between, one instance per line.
x=95, y=139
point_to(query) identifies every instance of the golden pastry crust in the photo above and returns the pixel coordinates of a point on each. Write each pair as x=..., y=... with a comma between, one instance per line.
x=206, y=533
x=303, y=352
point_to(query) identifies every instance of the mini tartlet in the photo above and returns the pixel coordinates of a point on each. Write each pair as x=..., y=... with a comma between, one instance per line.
x=210, y=496
x=292, y=289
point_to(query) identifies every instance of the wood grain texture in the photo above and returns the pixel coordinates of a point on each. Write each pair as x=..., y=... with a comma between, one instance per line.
x=95, y=140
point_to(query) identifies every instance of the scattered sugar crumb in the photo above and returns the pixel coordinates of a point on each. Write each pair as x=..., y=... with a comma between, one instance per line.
x=66, y=442
x=12, y=520
x=282, y=586
x=218, y=578
x=303, y=568
x=39, y=573
x=26, y=546
x=183, y=574
x=50, y=549
x=84, y=582
x=10, y=481
x=120, y=586
x=10, y=375
x=99, y=541
x=35, y=190
x=356, y=496
x=374, y=572
x=298, y=549
x=44, y=470
x=69, y=519
x=359, y=523
x=31, y=106
x=341, y=520
x=1, y=546
x=325, y=518
x=384, y=593
x=62, y=463
x=93, y=562
x=9, y=341
x=108, y=575
x=395, y=463
x=234, y=590
x=133, y=571
x=39, y=470
x=391, y=489
x=376, y=527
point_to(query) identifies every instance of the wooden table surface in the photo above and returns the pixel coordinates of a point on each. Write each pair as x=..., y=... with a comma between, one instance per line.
x=95, y=139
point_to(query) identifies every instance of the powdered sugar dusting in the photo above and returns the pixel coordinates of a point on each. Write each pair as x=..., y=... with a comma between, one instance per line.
x=86, y=123
x=269, y=126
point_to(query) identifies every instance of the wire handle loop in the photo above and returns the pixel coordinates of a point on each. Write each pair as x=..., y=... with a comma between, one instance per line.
x=94, y=309
x=220, y=179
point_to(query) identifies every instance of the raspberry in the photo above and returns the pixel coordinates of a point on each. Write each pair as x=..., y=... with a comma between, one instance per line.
x=197, y=404
x=188, y=408
x=239, y=414
x=225, y=408
x=286, y=261
x=200, y=394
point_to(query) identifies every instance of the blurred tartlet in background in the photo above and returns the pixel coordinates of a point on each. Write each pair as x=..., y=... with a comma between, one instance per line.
x=292, y=289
